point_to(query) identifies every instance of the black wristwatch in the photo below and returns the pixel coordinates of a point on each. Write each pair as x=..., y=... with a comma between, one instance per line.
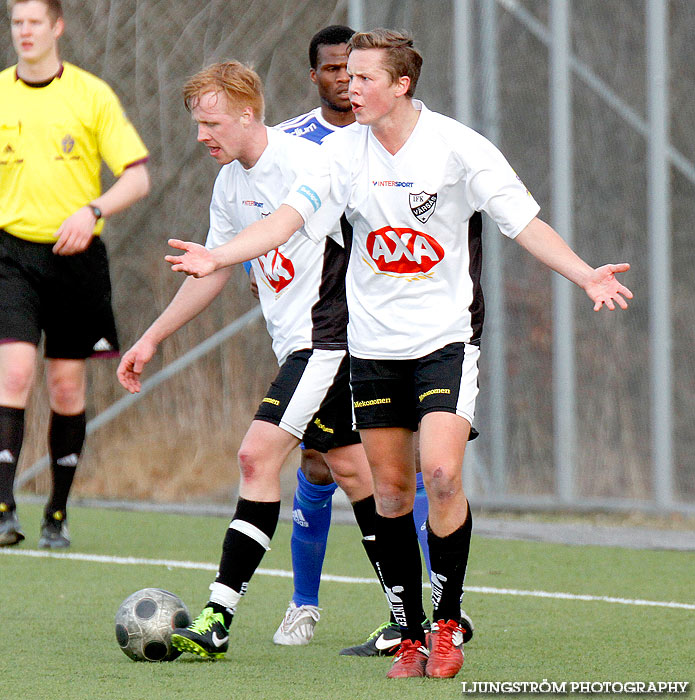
x=96, y=211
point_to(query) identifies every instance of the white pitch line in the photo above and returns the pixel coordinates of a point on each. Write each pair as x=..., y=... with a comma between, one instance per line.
x=281, y=573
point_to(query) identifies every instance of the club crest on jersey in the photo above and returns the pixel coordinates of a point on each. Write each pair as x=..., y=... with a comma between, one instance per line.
x=403, y=250
x=277, y=269
x=422, y=205
x=67, y=144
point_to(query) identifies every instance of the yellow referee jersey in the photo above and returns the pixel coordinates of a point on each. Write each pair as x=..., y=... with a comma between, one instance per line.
x=52, y=142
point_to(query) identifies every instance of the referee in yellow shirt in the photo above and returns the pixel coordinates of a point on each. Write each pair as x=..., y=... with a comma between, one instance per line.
x=57, y=123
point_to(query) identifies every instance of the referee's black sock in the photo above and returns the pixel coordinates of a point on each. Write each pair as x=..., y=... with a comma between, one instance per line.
x=401, y=572
x=11, y=437
x=65, y=440
x=449, y=557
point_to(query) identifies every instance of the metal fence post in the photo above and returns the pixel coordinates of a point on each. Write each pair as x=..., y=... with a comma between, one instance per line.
x=659, y=218
x=564, y=398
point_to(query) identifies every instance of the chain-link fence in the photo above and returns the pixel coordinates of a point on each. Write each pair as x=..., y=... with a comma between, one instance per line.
x=180, y=442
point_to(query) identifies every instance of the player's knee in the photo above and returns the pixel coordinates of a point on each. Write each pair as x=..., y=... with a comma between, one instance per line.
x=442, y=483
x=393, y=499
x=249, y=459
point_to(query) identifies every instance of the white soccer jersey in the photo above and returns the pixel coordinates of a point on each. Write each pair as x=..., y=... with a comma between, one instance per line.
x=413, y=282
x=300, y=284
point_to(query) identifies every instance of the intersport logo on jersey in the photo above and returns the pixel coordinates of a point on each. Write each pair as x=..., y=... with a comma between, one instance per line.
x=403, y=250
x=278, y=270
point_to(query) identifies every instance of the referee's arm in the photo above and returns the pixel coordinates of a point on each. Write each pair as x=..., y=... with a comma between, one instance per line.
x=75, y=233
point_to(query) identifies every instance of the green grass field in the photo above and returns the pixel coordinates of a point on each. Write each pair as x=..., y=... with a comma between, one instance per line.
x=57, y=636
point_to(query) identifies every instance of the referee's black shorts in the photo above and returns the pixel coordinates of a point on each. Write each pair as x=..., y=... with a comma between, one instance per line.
x=67, y=297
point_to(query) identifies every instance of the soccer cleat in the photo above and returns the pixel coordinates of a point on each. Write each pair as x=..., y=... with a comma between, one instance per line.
x=446, y=649
x=10, y=529
x=206, y=636
x=383, y=641
x=410, y=661
x=297, y=627
x=54, y=531
x=467, y=626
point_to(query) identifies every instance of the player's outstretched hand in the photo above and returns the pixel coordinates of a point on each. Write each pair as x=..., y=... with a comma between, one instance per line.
x=133, y=363
x=196, y=261
x=604, y=288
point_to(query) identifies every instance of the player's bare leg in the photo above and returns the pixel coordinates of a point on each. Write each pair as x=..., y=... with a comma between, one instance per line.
x=314, y=468
x=262, y=453
x=261, y=456
x=391, y=457
x=443, y=438
x=351, y=471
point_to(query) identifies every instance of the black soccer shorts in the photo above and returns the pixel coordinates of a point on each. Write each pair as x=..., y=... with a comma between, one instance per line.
x=67, y=297
x=310, y=399
x=398, y=393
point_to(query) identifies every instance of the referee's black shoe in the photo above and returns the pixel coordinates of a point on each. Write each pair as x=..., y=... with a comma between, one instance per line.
x=54, y=531
x=10, y=529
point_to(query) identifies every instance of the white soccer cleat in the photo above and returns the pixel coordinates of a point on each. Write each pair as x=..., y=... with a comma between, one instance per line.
x=297, y=627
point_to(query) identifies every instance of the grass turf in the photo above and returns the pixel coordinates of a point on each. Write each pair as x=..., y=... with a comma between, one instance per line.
x=57, y=636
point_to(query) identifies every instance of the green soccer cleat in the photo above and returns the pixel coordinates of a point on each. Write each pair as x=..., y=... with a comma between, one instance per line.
x=206, y=636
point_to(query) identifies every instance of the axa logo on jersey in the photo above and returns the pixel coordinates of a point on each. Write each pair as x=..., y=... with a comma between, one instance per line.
x=403, y=250
x=277, y=269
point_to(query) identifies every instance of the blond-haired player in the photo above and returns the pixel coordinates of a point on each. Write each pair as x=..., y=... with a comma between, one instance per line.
x=302, y=293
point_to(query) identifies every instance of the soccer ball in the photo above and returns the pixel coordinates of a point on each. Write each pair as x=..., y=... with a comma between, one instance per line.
x=145, y=621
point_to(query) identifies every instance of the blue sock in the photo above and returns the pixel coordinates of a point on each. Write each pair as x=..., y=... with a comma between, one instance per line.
x=311, y=519
x=420, y=511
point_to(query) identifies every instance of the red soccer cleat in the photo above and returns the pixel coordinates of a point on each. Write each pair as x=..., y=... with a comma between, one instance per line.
x=446, y=649
x=410, y=661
